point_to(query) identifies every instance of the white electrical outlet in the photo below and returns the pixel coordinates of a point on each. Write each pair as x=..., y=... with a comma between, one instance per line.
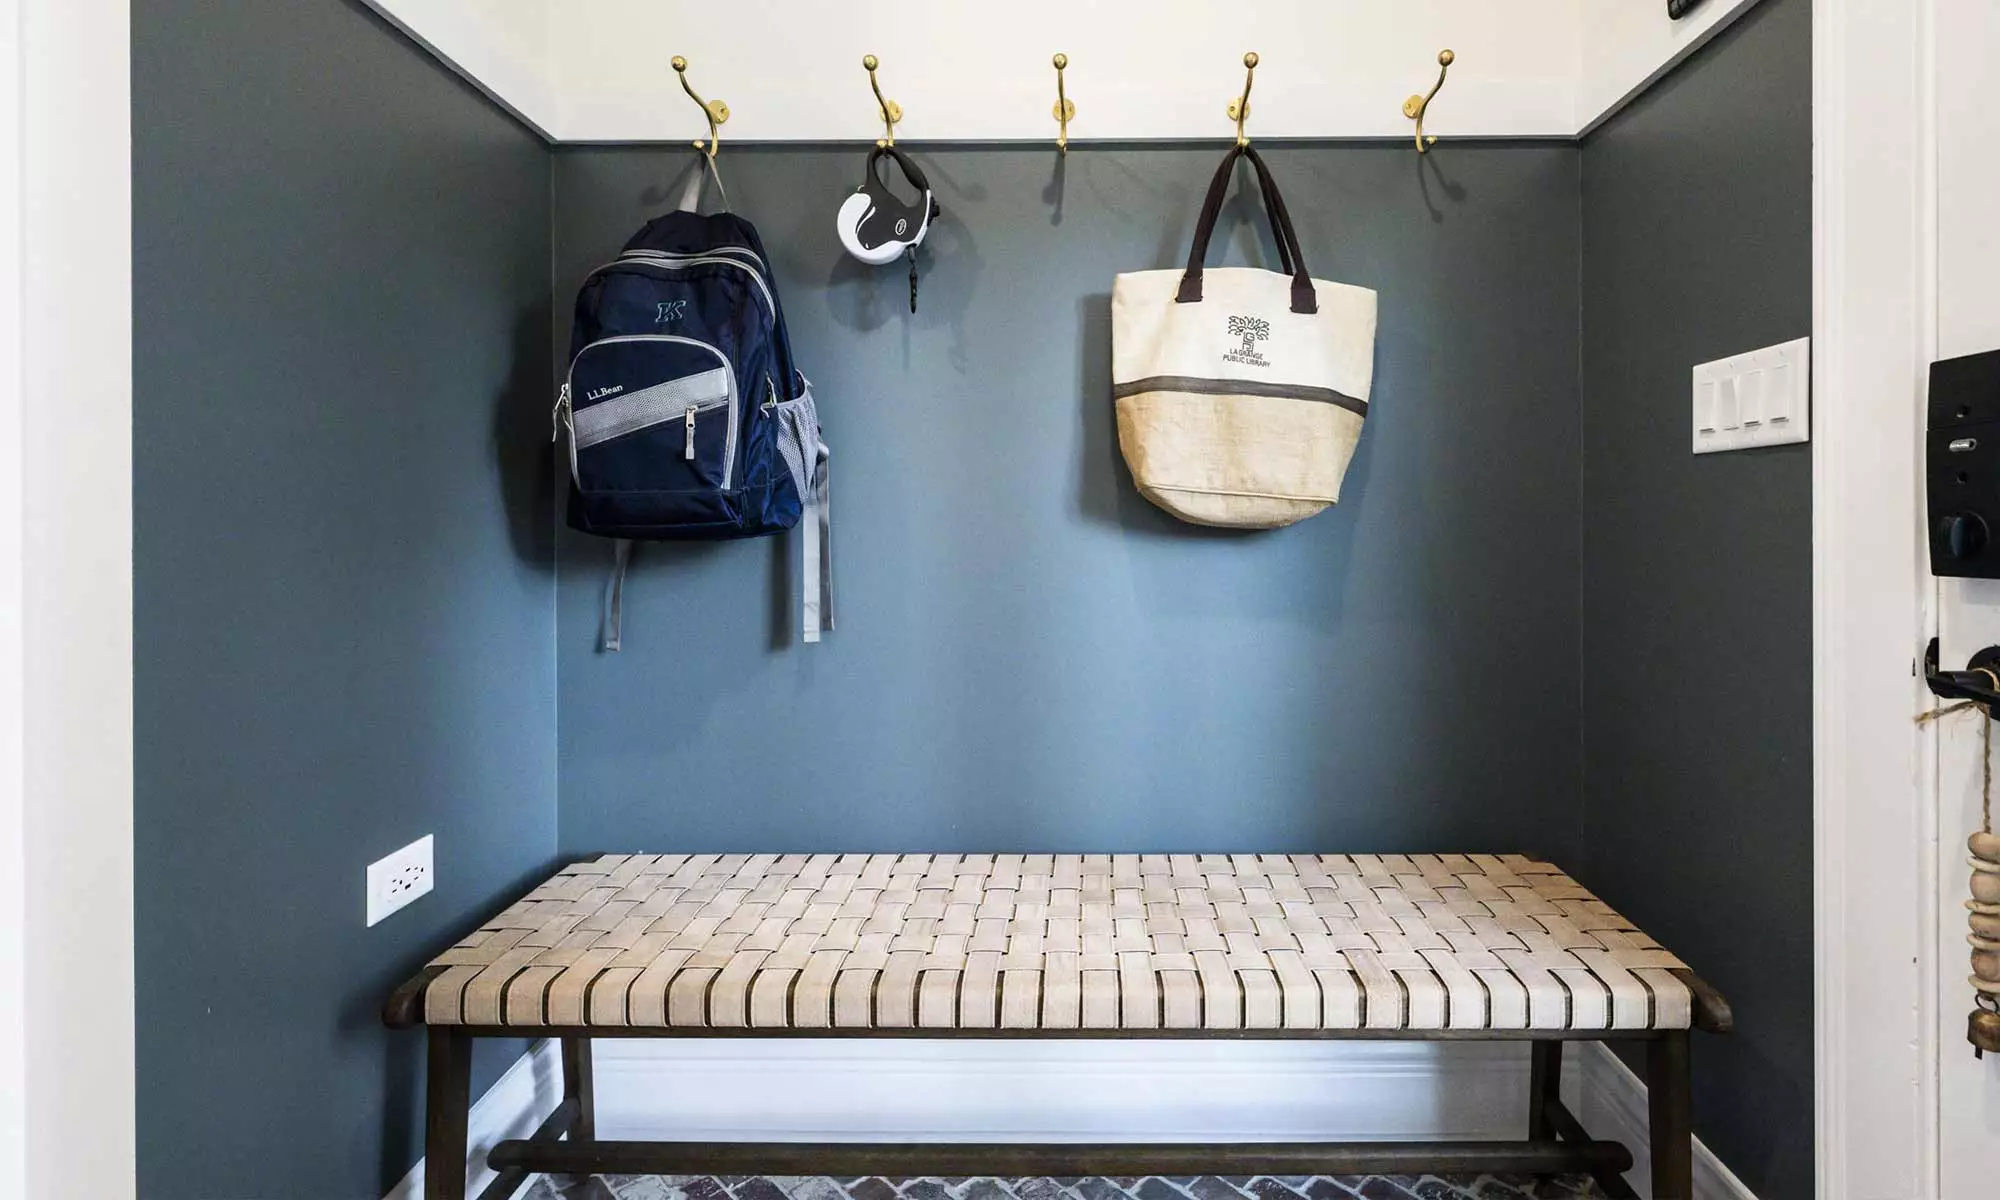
x=398, y=879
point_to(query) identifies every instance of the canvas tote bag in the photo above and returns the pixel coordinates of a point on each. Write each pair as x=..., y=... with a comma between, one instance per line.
x=1240, y=391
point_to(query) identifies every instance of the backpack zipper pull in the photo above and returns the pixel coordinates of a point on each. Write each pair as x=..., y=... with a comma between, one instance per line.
x=690, y=427
x=556, y=414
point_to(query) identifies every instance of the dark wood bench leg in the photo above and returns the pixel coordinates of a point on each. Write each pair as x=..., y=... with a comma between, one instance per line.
x=1670, y=1112
x=579, y=1085
x=447, y=1107
x=1544, y=1085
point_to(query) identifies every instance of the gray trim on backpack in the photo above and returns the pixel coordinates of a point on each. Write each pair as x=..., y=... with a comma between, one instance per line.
x=647, y=407
x=1238, y=387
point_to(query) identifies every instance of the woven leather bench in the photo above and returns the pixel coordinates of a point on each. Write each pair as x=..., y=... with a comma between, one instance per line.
x=1419, y=946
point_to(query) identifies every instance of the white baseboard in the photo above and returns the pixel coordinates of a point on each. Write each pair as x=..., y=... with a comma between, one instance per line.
x=1611, y=1102
x=514, y=1107
x=896, y=1089
x=921, y=1090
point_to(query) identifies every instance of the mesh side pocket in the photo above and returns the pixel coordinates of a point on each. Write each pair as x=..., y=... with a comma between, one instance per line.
x=798, y=441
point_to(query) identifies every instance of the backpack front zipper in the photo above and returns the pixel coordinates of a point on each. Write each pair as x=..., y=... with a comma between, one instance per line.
x=675, y=262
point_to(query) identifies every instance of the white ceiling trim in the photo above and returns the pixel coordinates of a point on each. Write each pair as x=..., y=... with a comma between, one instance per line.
x=593, y=71
x=1627, y=47
x=501, y=47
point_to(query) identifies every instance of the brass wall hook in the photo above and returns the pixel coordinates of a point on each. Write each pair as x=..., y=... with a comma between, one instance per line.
x=715, y=110
x=1065, y=110
x=1415, y=107
x=892, y=112
x=1239, y=108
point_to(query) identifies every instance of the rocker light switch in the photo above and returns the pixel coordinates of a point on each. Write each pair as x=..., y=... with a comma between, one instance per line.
x=1760, y=398
x=1750, y=395
x=1704, y=405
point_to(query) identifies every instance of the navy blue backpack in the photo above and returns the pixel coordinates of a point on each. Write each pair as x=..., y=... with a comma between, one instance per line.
x=686, y=415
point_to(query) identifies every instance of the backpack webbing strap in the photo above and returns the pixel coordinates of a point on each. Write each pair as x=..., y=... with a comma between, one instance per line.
x=614, y=596
x=704, y=168
x=817, y=527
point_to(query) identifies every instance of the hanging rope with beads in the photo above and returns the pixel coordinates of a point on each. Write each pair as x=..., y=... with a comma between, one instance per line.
x=1983, y=909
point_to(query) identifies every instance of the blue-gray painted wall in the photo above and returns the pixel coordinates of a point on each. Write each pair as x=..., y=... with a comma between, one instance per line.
x=1697, y=571
x=342, y=573
x=348, y=633
x=1030, y=656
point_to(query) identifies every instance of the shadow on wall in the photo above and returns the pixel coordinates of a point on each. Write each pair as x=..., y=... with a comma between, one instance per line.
x=1429, y=168
x=1052, y=195
x=527, y=472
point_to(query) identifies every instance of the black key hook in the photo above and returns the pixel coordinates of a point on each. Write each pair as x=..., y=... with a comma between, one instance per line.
x=1976, y=683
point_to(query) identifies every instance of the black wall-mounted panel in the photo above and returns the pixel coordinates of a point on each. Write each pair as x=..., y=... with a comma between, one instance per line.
x=1962, y=466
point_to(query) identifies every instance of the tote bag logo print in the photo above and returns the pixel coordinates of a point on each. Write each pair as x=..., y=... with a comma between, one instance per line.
x=1252, y=330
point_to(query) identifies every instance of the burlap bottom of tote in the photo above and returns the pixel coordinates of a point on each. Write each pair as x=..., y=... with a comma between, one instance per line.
x=1241, y=392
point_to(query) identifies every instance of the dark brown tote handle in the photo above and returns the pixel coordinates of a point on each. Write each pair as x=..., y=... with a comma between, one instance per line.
x=1289, y=254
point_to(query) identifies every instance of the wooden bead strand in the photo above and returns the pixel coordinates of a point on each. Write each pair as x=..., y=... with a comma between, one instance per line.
x=1983, y=909
x=1983, y=1026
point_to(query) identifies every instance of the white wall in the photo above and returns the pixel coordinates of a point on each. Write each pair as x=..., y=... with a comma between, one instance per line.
x=1138, y=68
x=66, y=644
x=597, y=70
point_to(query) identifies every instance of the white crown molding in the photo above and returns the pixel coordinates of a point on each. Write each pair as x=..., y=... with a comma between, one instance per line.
x=1627, y=48
x=500, y=47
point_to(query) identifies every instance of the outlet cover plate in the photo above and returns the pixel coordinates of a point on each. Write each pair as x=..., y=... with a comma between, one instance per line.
x=399, y=878
x=1758, y=398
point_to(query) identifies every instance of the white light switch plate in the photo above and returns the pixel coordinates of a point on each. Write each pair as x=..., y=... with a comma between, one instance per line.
x=1760, y=398
x=401, y=877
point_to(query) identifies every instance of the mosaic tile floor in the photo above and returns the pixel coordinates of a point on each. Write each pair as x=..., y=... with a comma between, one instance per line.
x=1207, y=1187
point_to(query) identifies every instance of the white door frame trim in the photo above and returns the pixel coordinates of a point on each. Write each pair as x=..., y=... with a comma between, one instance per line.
x=1874, y=827
x=66, y=636
x=13, y=642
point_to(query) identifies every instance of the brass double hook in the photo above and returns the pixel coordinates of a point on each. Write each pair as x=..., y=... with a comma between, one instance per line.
x=892, y=112
x=1415, y=107
x=715, y=110
x=1239, y=108
x=1065, y=109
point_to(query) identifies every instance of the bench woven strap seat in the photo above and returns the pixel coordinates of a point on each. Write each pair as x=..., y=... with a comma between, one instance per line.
x=1059, y=942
